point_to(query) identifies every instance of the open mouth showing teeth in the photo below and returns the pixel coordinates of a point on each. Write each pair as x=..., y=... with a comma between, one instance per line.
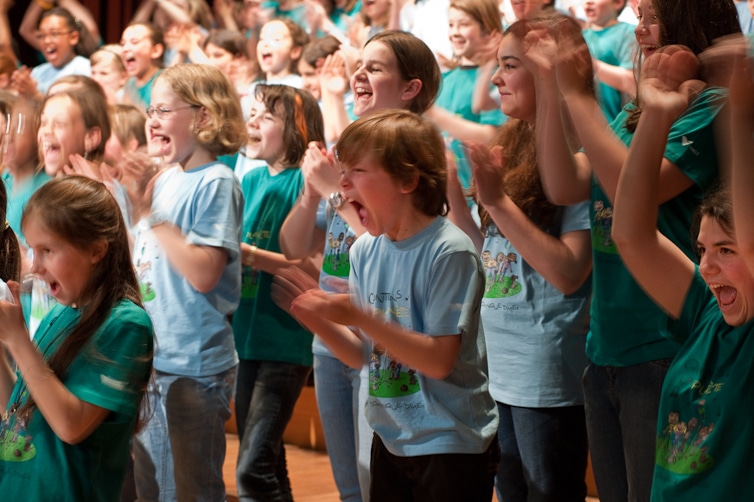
x=725, y=295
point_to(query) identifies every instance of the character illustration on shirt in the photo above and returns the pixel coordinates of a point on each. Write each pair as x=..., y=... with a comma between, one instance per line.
x=602, y=227
x=680, y=445
x=338, y=246
x=143, y=267
x=15, y=443
x=386, y=378
x=501, y=279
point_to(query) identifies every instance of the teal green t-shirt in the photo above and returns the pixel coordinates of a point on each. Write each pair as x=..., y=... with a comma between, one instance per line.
x=455, y=96
x=140, y=96
x=614, y=45
x=263, y=331
x=704, y=433
x=18, y=198
x=110, y=372
x=627, y=327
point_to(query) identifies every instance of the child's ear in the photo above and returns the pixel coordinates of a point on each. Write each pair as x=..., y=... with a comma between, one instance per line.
x=203, y=117
x=411, y=90
x=296, y=53
x=157, y=50
x=92, y=139
x=99, y=250
x=75, y=36
x=410, y=185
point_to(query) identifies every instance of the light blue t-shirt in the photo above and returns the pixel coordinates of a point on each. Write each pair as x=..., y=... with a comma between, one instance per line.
x=194, y=337
x=535, y=334
x=46, y=74
x=336, y=263
x=431, y=283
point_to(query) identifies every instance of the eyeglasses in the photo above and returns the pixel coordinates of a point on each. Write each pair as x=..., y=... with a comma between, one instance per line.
x=41, y=37
x=163, y=112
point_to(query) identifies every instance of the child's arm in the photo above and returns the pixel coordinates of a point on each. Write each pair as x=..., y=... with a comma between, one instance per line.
x=605, y=151
x=656, y=263
x=616, y=77
x=433, y=356
x=741, y=100
x=288, y=285
x=299, y=235
x=70, y=418
x=566, y=177
x=458, y=208
x=458, y=127
x=272, y=262
x=564, y=261
x=6, y=47
x=84, y=15
x=333, y=81
x=28, y=27
x=202, y=266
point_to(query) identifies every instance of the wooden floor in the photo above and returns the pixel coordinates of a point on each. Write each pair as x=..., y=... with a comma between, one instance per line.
x=309, y=470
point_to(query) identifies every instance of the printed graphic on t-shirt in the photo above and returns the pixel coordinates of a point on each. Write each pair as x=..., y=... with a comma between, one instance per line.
x=15, y=443
x=388, y=377
x=337, y=247
x=249, y=283
x=681, y=446
x=501, y=266
x=602, y=227
x=143, y=268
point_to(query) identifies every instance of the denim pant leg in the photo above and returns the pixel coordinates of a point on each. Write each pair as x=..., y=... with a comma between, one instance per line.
x=261, y=472
x=336, y=386
x=621, y=413
x=551, y=448
x=180, y=454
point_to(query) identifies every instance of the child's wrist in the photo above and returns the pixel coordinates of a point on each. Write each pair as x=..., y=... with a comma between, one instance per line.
x=45, y=5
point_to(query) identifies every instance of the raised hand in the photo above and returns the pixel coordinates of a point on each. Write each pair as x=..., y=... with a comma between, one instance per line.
x=669, y=80
x=333, y=76
x=320, y=174
x=488, y=169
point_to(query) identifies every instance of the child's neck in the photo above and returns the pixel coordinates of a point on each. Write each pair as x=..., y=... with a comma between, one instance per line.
x=411, y=223
x=66, y=60
x=277, y=76
x=146, y=76
x=198, y=158
x=277, y=167
x=600, y=27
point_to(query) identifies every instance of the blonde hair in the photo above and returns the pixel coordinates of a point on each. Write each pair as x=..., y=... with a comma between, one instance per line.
x=126, y=122
x=207, y=87
x=108, y=53
x=484, y=12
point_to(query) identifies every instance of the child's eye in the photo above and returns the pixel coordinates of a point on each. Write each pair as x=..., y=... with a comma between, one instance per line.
x=726, y=251
x=700, y=251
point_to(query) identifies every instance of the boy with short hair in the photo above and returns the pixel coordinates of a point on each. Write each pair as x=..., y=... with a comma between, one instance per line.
x=414, y=318
x=613, y=47
x=143, y=49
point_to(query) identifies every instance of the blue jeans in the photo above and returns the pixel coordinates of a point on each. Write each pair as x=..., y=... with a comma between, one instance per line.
x=179, y=455
x=446, y=477
x=543, y=454
x=266, y=392
x=621, y=417
x=347, y=434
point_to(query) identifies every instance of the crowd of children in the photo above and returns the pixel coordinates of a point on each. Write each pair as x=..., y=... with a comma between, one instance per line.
x=473, y=233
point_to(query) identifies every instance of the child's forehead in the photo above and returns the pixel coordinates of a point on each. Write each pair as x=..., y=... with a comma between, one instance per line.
x=274, y=28
x=136, y=34
x=53, y=22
